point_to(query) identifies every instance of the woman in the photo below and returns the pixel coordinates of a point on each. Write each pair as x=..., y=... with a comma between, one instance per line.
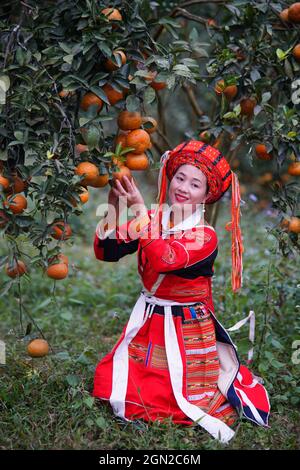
x=174, y=358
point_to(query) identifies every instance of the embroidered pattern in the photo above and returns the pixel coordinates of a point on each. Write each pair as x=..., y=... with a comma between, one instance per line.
x=159, y=357
x=169, y=255
x=137, y=352
x=202, y=365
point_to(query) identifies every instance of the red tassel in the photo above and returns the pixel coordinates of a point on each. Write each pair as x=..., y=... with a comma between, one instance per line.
x=237, y=248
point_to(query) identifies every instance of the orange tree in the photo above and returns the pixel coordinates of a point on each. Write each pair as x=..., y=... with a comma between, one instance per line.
x=70, y=68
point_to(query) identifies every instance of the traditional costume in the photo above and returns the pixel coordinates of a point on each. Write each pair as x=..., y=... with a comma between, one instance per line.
x=174, y=358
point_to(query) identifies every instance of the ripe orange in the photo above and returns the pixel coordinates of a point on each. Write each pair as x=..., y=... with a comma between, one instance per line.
x=113, y=95
x=18, y=185
x=128, y=121
x=122, y=171
x=83, y=196
x=294, y=225
x=284, y=14
x=66, y=93
x=90, y=99
x=38, y=348
x=61, y=231
x=139, y=140
x=79, y=148
x=137, y=162
x=150, y=124
x=296, y=52
x=211, y=22
x=294, y=13
x=100, y=181
x=60, y=258
x=121, y=139
x=219, y=87
x=265, y=178
x=90, y=170
x=247, y=106
x=205, y=136
x=158, y=85
x=111, y=66
x=16, y=203
x=16, y=269
x=4, y=182
x=230, y=92
x=57, y=271
x=112, y=14
x=262, y=153
x=294, y=169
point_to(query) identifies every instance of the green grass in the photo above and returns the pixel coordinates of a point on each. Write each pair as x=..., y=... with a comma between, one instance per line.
x=46, y=403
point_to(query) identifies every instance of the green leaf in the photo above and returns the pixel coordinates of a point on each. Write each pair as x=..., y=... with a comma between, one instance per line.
x=132, y=103
x=4, y=82
x=149, y=95
x=89, y=402
x=92, y=137
x=68, y=58
x=73, y=380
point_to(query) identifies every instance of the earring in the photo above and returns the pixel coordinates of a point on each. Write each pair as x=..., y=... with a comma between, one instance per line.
x=203, y=207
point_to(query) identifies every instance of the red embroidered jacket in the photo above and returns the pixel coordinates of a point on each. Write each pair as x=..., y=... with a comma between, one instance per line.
x=177, y=268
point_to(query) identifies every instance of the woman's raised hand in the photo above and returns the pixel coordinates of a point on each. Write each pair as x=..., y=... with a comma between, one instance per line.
x=130, y=191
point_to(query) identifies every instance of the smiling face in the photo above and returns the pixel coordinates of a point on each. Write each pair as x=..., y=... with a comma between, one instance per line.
x=188, y=186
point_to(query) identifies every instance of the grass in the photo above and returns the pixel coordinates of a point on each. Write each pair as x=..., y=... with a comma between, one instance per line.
x=46, y=403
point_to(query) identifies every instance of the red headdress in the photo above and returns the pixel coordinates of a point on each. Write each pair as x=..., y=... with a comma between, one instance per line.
x=219, y=178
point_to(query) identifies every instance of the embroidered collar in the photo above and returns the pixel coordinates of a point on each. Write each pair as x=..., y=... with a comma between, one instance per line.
x=191, y=221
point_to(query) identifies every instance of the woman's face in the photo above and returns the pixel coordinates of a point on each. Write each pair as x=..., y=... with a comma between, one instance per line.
x=188, y=186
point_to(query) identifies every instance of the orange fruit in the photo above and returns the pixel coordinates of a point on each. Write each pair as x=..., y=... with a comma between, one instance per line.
x=90, y=170
x=137, y=162
x=128, y=121
x=123, y=171
x=284, y=14
x=113, y=95
x=284, y=224
x=285, y=177
x=57, y=271
x=296, y=52
x=112, y=14
x=83, y=196
x=16, y=203
x=100, y=181
x=16, y=269
x=262, y=153
x=294, y=225
x=294, y=169
x=205, y=136
x=3, y=219
x=66, y=93
x=230, y=92
x=38, y=348
x=139, y=140
x=247, y=106
x=121, y=139
x=60, y=258
x=111, y=66
x=294, y=12
x=90, y=99
x=158, y=85
x=61, y=231
x=265, y=178
x=219, y=87
x=79, y=148
x=4, y=182
x=150, y=124
x=211, y=22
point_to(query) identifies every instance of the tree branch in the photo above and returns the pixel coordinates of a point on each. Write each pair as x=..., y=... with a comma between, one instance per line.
x=192, y=99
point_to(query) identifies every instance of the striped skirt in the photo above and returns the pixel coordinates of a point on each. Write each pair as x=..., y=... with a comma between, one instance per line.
x=149, y=393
